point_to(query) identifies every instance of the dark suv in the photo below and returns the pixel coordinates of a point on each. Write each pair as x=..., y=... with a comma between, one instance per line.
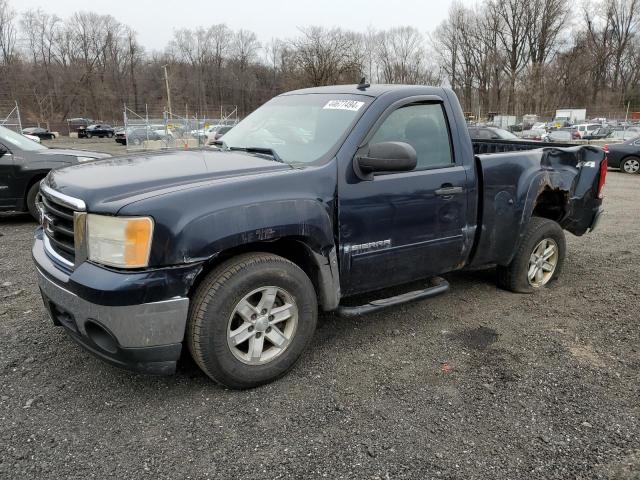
x=23, y=163
x=96, y=130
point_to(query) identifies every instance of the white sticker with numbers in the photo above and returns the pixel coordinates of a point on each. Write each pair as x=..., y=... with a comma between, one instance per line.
x=352, y=105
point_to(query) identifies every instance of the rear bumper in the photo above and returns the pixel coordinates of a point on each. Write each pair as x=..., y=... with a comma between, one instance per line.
x=596, y=219
x=143, y=337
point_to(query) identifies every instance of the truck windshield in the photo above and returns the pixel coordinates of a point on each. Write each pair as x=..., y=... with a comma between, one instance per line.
x=11, y=139
x=298, y=128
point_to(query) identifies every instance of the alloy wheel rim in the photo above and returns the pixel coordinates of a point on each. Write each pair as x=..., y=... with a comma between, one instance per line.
x=631, y=166
x=542, y=263
x=262, y=325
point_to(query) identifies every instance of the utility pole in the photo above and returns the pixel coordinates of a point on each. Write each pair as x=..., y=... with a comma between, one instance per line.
x=166, y=81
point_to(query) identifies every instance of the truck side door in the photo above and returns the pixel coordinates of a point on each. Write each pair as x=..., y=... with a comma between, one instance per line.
x=406, y=226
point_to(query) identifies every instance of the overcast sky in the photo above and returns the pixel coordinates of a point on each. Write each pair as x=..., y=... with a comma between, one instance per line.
x=155, y=20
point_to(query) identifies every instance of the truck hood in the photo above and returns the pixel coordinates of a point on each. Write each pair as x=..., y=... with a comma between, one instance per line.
x=73, y=153
x=108, y=185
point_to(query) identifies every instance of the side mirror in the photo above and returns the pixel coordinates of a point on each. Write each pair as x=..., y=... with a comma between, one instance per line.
x=385, y=157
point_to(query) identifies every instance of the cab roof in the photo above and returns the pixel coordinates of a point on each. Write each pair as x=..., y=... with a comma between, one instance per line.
x=374, y=90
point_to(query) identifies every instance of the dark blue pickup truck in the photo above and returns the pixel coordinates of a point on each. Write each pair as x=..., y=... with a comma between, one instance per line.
x=319, y=195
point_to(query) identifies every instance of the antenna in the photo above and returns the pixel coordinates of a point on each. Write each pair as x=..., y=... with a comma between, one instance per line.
x=363, y=85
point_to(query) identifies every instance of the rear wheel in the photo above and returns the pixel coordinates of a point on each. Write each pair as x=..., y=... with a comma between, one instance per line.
x=539, y=258
x=630, y=165
x=250, y=320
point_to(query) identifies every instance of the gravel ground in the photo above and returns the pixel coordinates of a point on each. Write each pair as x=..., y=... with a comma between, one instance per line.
x=476, y=384
x=105, y=145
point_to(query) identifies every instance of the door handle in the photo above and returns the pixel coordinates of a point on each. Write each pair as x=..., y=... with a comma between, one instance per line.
x=449, y=191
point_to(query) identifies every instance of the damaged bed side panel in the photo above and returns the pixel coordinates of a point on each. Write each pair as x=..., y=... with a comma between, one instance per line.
x=558, y=183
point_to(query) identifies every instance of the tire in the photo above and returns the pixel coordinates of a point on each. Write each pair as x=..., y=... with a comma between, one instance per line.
x=89, y=135
x=630, y=165
x=136, y=141
x=109, y=135
x=32, y=195
x=515, y=276
x=212, y=320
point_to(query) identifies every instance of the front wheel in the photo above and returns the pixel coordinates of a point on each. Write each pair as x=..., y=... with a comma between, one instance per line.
x=109, y=135
x=89, y=135
x=250, y=320
x=32, y=196
x=539, y=258
x=630, y=165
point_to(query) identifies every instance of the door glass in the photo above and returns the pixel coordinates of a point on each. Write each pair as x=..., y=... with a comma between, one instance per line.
x=424, y=127
x=486, y=134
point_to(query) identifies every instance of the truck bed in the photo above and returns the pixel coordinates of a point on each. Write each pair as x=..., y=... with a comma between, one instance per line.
x=553, y=181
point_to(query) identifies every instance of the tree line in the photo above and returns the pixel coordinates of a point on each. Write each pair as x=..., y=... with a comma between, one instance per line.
x=505, y=56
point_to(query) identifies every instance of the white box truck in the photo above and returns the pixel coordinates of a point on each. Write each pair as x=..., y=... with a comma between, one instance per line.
x=570, y=115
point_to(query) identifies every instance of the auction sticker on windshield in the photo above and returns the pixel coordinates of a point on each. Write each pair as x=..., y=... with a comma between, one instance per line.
x=352, y=105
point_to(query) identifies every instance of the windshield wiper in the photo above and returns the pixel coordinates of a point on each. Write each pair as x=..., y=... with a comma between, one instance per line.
x=260, y=150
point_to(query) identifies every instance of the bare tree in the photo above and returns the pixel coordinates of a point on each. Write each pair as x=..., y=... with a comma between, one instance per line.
x=547, y=18
x=324, y=56
x=244, y=52
x=515, y=22
x=8, y=33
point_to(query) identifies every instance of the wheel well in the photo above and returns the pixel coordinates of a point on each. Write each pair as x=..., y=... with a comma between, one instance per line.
x=551, y=204
x=292, y=248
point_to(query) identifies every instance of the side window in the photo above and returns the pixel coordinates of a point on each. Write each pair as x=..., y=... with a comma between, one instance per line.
x=486, y=134
x=424, y=127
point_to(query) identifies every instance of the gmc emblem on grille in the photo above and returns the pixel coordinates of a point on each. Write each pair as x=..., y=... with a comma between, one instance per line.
x=47, y=223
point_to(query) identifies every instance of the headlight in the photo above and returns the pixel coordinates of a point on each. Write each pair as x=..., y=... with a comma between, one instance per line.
x=123, y=242
x=85, y=159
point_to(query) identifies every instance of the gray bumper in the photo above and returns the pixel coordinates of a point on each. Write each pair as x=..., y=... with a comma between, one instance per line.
x=132, y=326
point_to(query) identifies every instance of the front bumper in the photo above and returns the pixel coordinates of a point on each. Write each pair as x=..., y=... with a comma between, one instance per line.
x=144, y=337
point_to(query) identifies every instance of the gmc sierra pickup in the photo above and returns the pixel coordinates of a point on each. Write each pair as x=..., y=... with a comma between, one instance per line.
x=319, y=195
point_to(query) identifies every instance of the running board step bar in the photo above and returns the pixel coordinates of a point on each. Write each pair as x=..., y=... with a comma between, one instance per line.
x=439, y=286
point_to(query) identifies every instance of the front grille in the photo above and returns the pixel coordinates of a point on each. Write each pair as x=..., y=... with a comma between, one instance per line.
x=57, y=222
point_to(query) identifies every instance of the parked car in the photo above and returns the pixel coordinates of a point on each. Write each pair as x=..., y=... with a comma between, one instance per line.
x=585, y=129
x=534, y=134
x=32, y=138
x=233, y=250
x=599, y=134
x=218, y=133
x=23, y=163
x=202, y=134
x=625, y=155
x=623, y=135
x=562, y=135
x=41, y=133
x=136, y=136
x=491, y=133
x=96, y=130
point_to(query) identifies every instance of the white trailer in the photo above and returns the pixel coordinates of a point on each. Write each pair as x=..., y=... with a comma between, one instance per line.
x=571, y=115
x=504, y=121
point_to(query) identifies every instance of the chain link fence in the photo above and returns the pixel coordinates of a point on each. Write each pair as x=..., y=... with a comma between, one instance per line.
x=10, y=117
x=156, y=130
